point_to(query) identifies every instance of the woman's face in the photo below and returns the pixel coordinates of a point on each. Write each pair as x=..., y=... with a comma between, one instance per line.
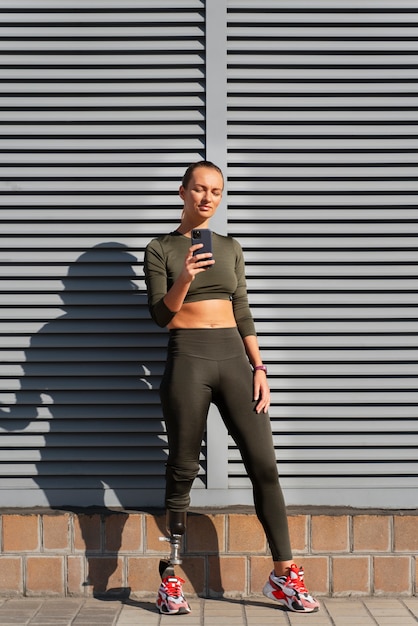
x=202, y=195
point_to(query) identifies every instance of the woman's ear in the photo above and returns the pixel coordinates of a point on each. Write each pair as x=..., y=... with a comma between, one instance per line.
x=181, y=192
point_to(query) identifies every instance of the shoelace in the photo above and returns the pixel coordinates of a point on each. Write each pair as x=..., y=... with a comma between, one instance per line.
x=173, y=586
x=296, y=579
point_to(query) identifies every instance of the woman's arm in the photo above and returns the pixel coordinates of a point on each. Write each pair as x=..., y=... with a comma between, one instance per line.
x=175, y=296
x=163, y=304
x=261, y=387
x=192, y=266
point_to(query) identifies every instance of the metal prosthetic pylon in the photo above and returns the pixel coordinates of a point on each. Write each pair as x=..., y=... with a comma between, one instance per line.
x=176, y=527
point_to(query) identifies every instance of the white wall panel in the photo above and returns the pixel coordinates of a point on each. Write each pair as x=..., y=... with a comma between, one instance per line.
x=322, y=140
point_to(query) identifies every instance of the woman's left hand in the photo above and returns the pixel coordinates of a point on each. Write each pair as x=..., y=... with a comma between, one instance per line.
x=261, y=392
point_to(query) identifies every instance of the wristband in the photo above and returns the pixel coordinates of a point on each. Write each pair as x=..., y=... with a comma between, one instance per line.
x=263, y=368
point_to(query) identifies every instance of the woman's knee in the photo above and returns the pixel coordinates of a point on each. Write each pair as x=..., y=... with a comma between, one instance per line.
x=184, y=472
x=179, y=482
x=264, y=473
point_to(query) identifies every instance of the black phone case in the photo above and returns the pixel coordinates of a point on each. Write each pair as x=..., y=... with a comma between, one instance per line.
x=202, y=235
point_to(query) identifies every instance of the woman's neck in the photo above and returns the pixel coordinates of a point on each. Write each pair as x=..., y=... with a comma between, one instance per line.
x=186, y=228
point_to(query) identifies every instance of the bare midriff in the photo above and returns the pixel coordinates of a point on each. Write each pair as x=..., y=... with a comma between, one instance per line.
x=204, y=314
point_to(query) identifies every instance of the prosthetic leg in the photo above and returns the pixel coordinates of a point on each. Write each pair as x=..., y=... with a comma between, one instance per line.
x=176, y=527
x=170, y=598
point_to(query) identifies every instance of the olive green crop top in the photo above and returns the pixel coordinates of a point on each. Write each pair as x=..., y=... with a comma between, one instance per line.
x=225, y=280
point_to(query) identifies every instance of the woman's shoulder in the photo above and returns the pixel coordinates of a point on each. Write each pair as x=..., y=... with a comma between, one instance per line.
x=228, y=241
x=167, y=240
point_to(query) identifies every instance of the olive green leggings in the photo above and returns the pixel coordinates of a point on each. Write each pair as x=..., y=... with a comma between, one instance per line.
x=210, y=365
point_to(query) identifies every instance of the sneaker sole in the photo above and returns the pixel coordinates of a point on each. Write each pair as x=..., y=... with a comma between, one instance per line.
x=267, y=591
x=181, y=611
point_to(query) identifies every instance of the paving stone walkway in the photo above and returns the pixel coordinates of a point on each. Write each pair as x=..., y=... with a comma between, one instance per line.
x=254, y=611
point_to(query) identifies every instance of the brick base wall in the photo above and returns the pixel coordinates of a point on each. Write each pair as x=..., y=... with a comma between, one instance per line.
x=344, y=552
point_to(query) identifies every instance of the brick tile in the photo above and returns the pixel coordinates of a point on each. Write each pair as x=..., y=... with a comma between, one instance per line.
x=45, y=575
x=192, y=570
x=260, y=569
x=298, y=530
x=21, y=533
x=316, y=570
x=56, y=532
x=245, y=534
x=330, y=533
x=123, y=533
x=104, y=573
x=75, y=576
x=87, y=532
x=205, y=533
x=371, y=533
x=143, y=575
x=406, y=533
x=156, y=528
x=392, y=575
x=11, y=575
x=227, y=574
x=351, y=575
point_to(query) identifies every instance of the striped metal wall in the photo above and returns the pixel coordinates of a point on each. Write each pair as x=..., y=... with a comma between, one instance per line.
x=322, y=153
x=102, y=106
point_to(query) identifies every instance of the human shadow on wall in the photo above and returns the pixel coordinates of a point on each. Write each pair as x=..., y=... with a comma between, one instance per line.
x=88, y=407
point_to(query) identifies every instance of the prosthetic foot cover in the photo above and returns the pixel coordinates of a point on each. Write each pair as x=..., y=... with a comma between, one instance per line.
x=166, y=569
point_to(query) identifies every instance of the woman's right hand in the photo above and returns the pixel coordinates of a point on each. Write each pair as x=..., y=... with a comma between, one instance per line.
x=195, y=264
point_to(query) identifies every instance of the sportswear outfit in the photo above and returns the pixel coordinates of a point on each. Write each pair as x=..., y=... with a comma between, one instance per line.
x=207, y=365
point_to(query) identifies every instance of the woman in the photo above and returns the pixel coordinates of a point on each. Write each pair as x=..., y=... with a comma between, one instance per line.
x=213, y=356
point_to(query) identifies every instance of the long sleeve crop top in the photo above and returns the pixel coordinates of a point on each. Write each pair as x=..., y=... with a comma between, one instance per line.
x=225, y=280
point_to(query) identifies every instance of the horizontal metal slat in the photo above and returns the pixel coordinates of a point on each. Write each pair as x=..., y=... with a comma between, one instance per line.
x=351, y=227
x=359, y=397
x=332, y=30
x=247, y=58
x=123, y=29
x=350, y=381
x=289, y=447
x=98, y=60
x=333, y=284
x=342, y=241
x=338, y=156
x=105, y=89
x=38, y=156
x=310, y=88
x=85, y=469
x=139, y=14
x=335, y=469
x=343, y=298
x=322, y=215
x=98, y=6
x=340, y=341
x=344, y=73
x=356, y=428
x=342, y=412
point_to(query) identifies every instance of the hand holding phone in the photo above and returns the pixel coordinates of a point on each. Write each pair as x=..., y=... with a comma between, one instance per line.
x=204, y=236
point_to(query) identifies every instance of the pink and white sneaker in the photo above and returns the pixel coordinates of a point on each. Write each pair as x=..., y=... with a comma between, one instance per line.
x=290, y=591
x=170, y=599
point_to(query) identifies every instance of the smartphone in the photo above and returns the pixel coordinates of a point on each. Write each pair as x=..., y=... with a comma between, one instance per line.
x=202, y=235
